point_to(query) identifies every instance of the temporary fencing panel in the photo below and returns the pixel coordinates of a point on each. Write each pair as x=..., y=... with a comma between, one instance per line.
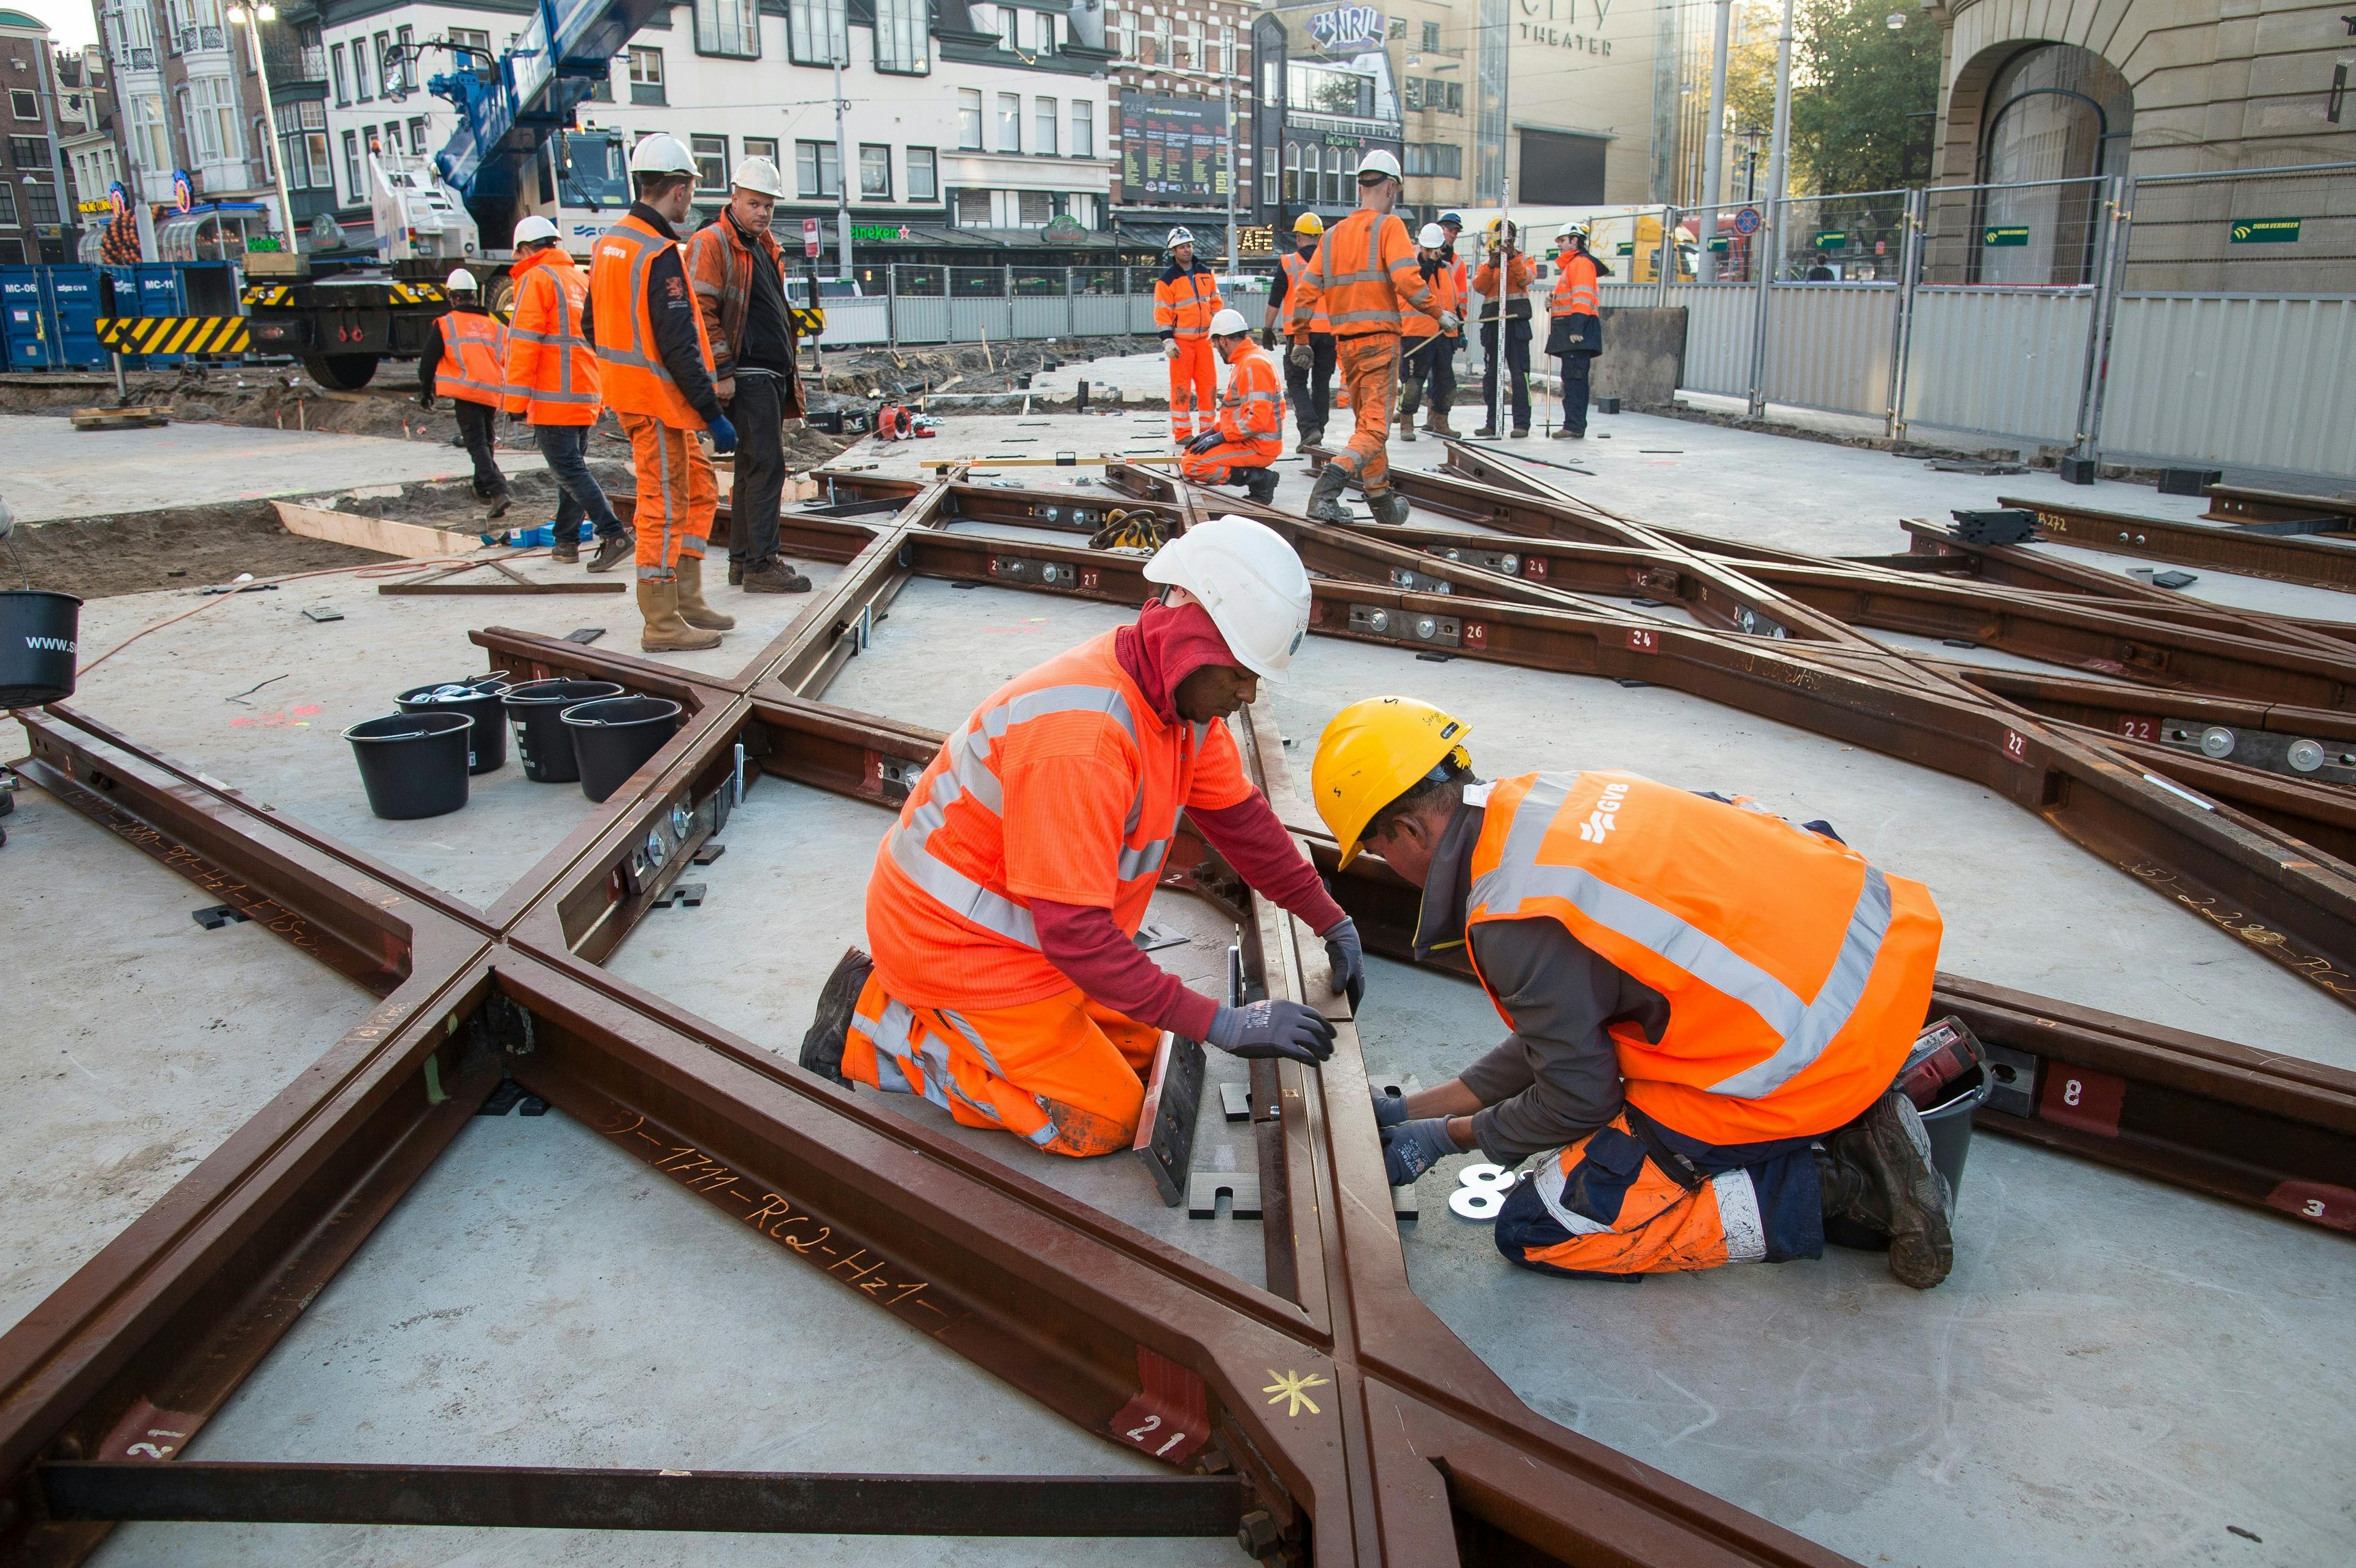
x=1999, y=361
x=1829, y=345
x=1717, y=334
x=2239, y=379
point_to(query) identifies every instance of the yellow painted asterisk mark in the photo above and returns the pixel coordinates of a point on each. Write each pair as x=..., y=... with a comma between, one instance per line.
x=1292, y=1386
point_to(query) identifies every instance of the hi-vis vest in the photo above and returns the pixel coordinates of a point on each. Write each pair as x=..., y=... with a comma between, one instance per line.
x=631, y=367
x=1366, y=266
x=474, y=355
x=1298, y=277
x=551, y=371
x=1796, y=975
x=1252, y=411
x=1574, y=286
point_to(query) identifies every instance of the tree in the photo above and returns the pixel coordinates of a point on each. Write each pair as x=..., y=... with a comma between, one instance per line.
x=1859, y=90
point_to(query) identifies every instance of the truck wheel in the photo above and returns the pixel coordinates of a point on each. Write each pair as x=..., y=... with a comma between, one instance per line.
x=340, y=372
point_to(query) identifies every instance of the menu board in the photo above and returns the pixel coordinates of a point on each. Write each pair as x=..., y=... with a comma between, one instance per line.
x=1174, y=150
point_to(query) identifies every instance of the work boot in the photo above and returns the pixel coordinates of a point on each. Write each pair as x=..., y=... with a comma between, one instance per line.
x=1260, y=485
x=664, y=632
x=1309, y=438
x=1877, y=1172
x=1410, y=395
x=692, y=607
x=1388, y=506
x=735, y=571
x=830, y=1025
x=1486, y=432
x=775, y=575
x=568, y=551
x=1570, y=435
x=1521, y=432
x=613, y=550
x=1325, y=496
x=1437, y=424
x=496, y=506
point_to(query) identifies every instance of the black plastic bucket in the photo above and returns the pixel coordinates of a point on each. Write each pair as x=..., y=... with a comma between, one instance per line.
x=478, y=700
x=1949, y=1123
x=614, y=736
x=412, y=764
x=536, y=708
x=38, y=629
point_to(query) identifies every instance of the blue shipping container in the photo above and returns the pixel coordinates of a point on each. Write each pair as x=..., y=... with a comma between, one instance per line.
x=75, y=305
x=25, y=329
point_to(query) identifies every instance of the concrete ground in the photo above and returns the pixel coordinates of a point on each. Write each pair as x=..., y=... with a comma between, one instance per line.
x=56, y=471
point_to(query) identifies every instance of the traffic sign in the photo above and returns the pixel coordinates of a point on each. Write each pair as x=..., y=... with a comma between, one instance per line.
x=1747, y=220
x=810, y=237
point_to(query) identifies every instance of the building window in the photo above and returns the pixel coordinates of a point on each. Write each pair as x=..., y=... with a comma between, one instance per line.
x=150, y=146
x=417, y=135
x=646, y=77
x=7, y=205
x=478, y=40
x=262, y=140
x=1292, y=172
x=1190, y=44
x=761, y=147
x=361, y=90
x=1431, y=34
x=1431, y=92
x=969, y=117
x=1435, y=160
x=903, y=37
x=1045, y=21
x=23, y=104
x=1333, y=175
x=336, y=65
x=40, y=201
x=923, y=184
x=817, y=172
x=356, y=186
x=1268, y=175
x=1034, y=209
x=406, y=37
x=1043, y=121
x=30, y=152
x=730, y=27
x=1009, y=122
x=710, y=162
x=817, y=32
x=1127, y=35
x=973, y=209
x=1083, y=129
x=1160, y=41
x=875, y=172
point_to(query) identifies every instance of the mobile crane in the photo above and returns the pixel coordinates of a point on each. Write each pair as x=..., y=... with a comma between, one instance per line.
x=516, y=152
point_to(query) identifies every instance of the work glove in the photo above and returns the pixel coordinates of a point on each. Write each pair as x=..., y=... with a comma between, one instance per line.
x=1287, y=1030
x=1268, y=337
x=1449, y=321
x=1204, y=442
x=723, y=436
x=1170, y=349
x=1390, y=1110
x=1301, y=358
x=1347, y=954
x=1413, y=1148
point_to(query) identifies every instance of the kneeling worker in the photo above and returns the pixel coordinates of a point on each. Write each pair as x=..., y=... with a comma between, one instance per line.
x=1250, y=434
x=1708, y=1006
x=1005, y=986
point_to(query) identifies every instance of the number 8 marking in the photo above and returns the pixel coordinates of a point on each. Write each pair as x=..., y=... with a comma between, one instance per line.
x=2071, y=1091
x=1481, y=1191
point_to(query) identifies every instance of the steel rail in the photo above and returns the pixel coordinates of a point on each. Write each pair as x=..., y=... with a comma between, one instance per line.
x=2306, y=561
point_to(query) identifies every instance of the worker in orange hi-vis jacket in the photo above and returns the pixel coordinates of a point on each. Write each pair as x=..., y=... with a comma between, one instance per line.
x=1367, y=268
x=1185, y=298
x=1426, y=352
x=1249, y=435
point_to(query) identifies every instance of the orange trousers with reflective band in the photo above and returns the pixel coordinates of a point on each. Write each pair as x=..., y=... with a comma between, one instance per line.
x=1221, y=463
x=1193, y=387
x=1061, y=1074
x=677, y=495
x=1369, y=364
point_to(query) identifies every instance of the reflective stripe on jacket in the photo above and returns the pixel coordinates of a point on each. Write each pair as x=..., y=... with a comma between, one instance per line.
x=635, y=379
x=1299, y=282
x=551, y=372
x=1252, y=411
x=474, y=349
x=1796, y=973
x=1365, y=268
x=1518, y=276
x=1414, y=322
x=1574, y=286
x=1184, y=303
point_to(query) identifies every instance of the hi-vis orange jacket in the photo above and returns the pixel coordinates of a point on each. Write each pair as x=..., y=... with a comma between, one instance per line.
x=1516, y=285
x=1796, y=975
x=635, y=381
x=1299, y=281
x=1065, y=784
x=1252, y=411
x=1574, y=285
x=1184, y=303
x=1365, y=267
x=473, y=346
x=551, y=371
x=1414, y=322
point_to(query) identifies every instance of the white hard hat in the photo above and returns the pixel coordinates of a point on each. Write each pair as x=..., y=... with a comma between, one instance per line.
x=758, y=176
x=1433, y=237
x=534, y=228
x=1179, y=237
x=660, y=154
x=1571, y=230
x=1254, y=587
x=1229, y=323
x=460, y=280
x=1378, y=163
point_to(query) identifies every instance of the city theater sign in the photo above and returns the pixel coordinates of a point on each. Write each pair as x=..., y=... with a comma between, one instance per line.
x=1556, y=23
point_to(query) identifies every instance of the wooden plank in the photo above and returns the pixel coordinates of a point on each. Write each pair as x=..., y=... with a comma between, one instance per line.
x=382, y=535
x=139, y=418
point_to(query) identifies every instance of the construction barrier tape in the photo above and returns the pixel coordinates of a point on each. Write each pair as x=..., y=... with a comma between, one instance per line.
x=174, y=334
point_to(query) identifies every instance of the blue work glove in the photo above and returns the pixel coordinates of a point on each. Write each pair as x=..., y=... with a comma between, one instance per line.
x=1288, y=1029
x=723, y=436
x=1204, y=442
x=1347, y=954
x=1390, y=1110
x=1413, y=1148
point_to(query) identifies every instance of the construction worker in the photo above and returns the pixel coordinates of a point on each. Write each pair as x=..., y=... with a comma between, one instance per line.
x=1005, y=986
x=1310, y=386
x=1426, y=350
x=553, y=384
x=1443, y=394
x=739, y=276
x=1366, y=270
x=655, y=363
x=1708, y=1006
x=1504, y=281
x=1249, y=435
x=1575, y=329
x=465, y=361
x=1185, y=298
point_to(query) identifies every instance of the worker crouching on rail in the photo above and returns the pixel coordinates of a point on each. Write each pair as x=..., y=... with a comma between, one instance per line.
x=1250, y=434
x=1708, y=1006
x=1005, y=986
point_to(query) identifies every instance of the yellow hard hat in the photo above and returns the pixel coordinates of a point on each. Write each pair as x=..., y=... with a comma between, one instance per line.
x=1309, y=223
x=1373, y=752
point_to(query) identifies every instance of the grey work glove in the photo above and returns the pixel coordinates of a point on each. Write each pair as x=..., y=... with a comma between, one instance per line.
x=1390, y=1110
x=1204, y=442
x=1449, y=321
x=1170, y=349
x=1287, y=1030
x=1302, y=359
x=1348, y=955
x=1413, y=1148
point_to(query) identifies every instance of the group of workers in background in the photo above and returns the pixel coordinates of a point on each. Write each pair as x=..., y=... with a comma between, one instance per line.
x=679, y=339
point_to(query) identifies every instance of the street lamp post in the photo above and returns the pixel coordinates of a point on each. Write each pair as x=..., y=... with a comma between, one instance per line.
x=250, y=18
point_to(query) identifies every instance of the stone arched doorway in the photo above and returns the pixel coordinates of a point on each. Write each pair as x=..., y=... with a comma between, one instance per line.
x=2045, y=124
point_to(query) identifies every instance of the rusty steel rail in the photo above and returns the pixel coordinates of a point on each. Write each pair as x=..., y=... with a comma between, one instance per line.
x=2310, y=563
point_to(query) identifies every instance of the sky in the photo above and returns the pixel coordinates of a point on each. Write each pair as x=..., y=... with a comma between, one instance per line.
x=72, y=22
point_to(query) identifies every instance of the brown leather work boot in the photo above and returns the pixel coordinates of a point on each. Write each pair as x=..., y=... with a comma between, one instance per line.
x=664, y=632
x=692, y=607
x=775, y=575
x=1877, y=1172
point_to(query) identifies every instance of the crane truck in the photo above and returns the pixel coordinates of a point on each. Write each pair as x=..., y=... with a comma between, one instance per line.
x=518, y=151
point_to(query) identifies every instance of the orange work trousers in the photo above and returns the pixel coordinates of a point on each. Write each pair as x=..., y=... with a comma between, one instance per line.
x=1369, y=364
x=1218, y=466
x=677, y=495
x=1062, y=1073
x=1193, y=388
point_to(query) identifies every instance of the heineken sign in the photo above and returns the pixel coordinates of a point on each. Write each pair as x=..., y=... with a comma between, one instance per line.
x=883, y=233
x=2266, y=230
x=2008, y=234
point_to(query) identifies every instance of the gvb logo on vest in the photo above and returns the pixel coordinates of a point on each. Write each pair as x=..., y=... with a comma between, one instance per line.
x=1602, y=819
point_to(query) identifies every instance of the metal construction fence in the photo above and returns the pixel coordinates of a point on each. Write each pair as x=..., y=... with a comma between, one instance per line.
x=2204, y=319
x=934, y=304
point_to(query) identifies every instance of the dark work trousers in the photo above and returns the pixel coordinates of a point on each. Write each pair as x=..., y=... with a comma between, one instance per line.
x=1518, y=367
x=760, y=423
x=1575, y=368
x=476, y=423
x=1440, y=377
x=1311, y=391
x=578, y=495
